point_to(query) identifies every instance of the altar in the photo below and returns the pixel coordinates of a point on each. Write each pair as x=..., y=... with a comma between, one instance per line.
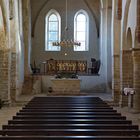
x=66, y=85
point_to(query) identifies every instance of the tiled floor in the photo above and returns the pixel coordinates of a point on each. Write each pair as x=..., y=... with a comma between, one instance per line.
x=6, y=113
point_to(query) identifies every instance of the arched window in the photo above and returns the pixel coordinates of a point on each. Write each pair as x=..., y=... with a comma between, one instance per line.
x=81, y=25
x=52, y=33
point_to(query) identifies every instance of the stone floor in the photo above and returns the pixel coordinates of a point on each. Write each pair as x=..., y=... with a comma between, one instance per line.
x=6, y=113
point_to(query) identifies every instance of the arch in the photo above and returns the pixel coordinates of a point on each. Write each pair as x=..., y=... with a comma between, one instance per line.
x=34, y=23
x=45, y=3
x=129, y=38
x=124, y=23
x=94, y=16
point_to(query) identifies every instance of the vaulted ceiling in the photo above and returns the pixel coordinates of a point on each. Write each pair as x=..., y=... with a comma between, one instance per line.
x=93, y=5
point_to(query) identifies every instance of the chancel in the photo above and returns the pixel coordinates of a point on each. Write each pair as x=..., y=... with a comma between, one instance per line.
x=74, y=64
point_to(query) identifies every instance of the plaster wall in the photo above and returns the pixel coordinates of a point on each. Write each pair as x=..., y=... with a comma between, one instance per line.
x=38, y=41
x=132, y=18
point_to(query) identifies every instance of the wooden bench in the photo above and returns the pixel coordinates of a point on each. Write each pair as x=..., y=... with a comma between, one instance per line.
x=71, y=126
x=69, y=138
x=68, y=121
x=66, y=107
x=68, y=113
x=71, y=118
x=67, y=132
x=67, y=110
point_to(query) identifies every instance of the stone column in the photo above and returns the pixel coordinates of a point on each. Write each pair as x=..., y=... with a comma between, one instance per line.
x=136, y=79
x=4, y=75
x=126, y=75
x=105, y=45
x=116, y=79
x=13, y=78
x=27, y=35
x=4, y=63
x=138, y=22
x=116, y=31
x=119, y=10
x=136, y=63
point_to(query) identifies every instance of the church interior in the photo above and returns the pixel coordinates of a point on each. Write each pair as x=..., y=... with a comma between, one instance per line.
x=65, y=52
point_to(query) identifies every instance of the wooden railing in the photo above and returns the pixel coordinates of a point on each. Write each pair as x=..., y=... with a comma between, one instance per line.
x=55, y=66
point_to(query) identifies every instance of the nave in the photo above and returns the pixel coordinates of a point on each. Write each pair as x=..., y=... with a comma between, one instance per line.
x=69, y=118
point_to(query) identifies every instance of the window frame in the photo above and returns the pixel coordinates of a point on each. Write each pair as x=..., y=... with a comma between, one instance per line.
x=51, y=12
x=81, y=11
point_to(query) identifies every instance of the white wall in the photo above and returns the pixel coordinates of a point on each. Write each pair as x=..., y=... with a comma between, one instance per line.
x=131, y=19
x=38, y=41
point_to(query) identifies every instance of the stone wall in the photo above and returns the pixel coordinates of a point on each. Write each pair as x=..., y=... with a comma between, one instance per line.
x=126, y=75
x=116, y=79
x=4, y=64
x=13, y=77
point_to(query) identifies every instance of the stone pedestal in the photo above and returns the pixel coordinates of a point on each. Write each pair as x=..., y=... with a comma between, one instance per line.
x=66, y=86
x=136, y=79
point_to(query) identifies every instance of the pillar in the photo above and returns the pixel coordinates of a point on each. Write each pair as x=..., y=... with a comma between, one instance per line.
x=136, y=62
x=27, y=35
x=136, y=79
x=126, y=75
x=116, y=31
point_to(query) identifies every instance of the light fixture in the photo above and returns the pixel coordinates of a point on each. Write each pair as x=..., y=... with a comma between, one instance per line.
x=66, y=42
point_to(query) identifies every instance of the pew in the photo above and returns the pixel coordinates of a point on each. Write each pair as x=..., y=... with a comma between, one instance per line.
x=71, y=126
x=69, y=138
x=68, y=118
x=67, y=110
x=67, y=132
x=67, y=121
